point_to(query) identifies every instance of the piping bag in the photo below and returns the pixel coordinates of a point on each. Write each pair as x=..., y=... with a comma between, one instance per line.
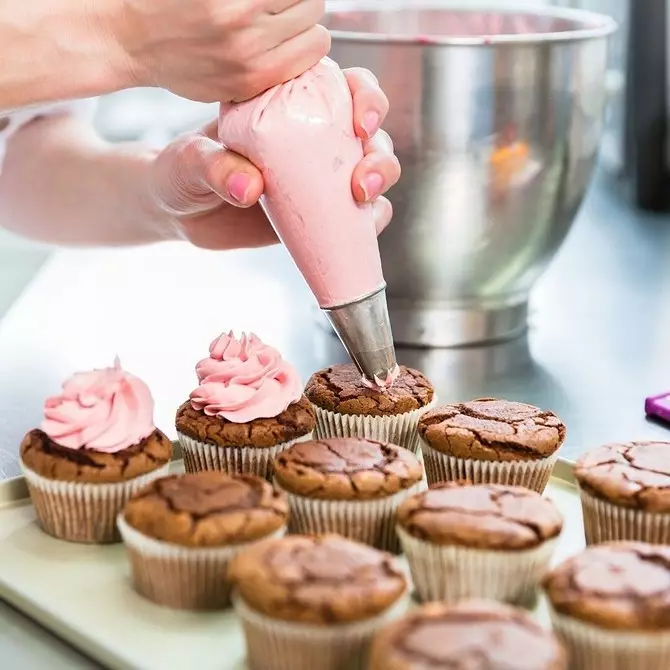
x=300, y=135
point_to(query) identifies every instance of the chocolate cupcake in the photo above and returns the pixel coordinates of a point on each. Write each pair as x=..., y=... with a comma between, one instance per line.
x=350, y=486
x=248, y=408
x=610, y=606
x=347, y=407
x=480, y=541
x=625, y=492
x=182, y=531
x=96, y=447
x=314, y=602
x=491, y=441
x=471, y=634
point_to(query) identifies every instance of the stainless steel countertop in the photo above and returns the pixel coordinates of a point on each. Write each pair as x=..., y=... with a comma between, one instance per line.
x=599, y=340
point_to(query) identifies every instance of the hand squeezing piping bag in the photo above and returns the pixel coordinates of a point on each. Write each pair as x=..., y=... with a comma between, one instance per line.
x=301, y=136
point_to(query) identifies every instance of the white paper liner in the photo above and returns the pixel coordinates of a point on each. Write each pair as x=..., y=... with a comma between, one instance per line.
x=606, y=522
x=445, y=468
x=400, y=429
x=259, y=461
x=452, y=573
x=188, y=578
x=593, y=648
x=370, y=521
x=82, y=511
x=284, y=645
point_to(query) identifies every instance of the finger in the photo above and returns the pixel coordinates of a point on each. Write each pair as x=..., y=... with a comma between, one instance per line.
x=370, y=103
x=381, y=142
x=290, y=59
x=291, y=22
x=383, y=213
x=374, y=175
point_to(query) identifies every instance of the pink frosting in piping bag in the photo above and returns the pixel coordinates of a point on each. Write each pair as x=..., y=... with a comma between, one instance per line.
x=244, y=379
x=301, y=136
x=104, y=410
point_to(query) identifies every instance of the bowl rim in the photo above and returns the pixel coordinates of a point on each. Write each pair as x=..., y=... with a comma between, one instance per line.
x=595, y=25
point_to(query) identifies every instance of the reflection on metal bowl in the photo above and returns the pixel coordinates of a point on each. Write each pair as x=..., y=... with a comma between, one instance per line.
x=496, y=118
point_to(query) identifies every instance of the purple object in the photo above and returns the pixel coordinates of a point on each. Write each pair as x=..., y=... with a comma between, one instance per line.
x=658, y=406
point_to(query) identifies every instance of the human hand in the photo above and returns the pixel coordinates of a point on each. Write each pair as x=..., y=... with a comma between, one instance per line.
x=210, y=194
x=219, y=50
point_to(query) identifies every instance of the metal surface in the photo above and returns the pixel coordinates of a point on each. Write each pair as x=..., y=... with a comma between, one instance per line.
x=496, y=118
x=365, y=331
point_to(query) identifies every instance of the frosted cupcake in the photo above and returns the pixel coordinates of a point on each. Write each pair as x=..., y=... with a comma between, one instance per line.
x=248, y=408
x=347, y=406
x=96, y=447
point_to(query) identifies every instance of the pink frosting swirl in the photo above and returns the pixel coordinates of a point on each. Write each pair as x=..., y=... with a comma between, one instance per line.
x=244, y=379
x=104, y=410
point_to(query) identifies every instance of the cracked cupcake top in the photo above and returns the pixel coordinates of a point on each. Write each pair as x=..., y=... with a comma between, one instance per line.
x=469, y=635
x=482, y=516
x=320, y=580
x=346, y=469
x=618, y=585
x=207, y=509
x=636, y=474
x=493, y=430
x=341, y=389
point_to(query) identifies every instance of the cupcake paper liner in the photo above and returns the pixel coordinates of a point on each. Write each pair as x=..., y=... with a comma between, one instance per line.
x=529, y=474
x=606, y=522
x=259, y=461
x=369, y=521
x=82, y=511
x=187, y=578
x=452, y=573
x=593, y=648
x=400, y=429
x=284, y=645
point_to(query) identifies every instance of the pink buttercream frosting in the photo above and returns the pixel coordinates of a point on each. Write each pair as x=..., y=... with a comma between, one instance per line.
x=104, y=410
x=244, y=379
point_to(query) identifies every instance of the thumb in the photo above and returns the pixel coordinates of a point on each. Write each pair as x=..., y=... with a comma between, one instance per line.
x=195, y=173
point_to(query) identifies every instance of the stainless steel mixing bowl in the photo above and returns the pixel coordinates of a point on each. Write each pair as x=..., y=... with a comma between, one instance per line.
x=496, y=117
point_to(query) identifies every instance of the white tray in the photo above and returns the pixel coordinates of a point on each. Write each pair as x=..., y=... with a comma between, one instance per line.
x=82, y=593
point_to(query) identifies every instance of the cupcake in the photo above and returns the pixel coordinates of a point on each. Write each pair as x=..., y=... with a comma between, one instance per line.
x=248, y=407
x=481, y=541
x=491, y=441
x=96, y=447
x=346, y=406
x=350, y=486
x=610, y=606
x=625, y=492
x=471, y=635
x=314, y=602
x=182, y=531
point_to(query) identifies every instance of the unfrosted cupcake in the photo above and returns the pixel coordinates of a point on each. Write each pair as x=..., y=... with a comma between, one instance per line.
x=309, y=602
x=611, y=606
x=96, y=447
x=625, y=492
x=491, y=441
x=351, y=486
x=481, y=541
x=181, y=533
x=348, y=407
x=248, y=408
x=471, y=635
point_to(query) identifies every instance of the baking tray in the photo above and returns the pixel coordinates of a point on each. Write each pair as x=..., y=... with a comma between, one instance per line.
x=82, y=593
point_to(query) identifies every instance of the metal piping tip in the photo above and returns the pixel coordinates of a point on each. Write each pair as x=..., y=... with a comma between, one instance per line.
x=364, y=328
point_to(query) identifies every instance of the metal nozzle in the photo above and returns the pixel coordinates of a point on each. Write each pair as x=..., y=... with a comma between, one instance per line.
x=364, y=328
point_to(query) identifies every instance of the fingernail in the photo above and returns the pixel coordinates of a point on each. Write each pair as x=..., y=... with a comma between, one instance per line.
x=238, y=185
x=372, y=185
x=371, y=121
